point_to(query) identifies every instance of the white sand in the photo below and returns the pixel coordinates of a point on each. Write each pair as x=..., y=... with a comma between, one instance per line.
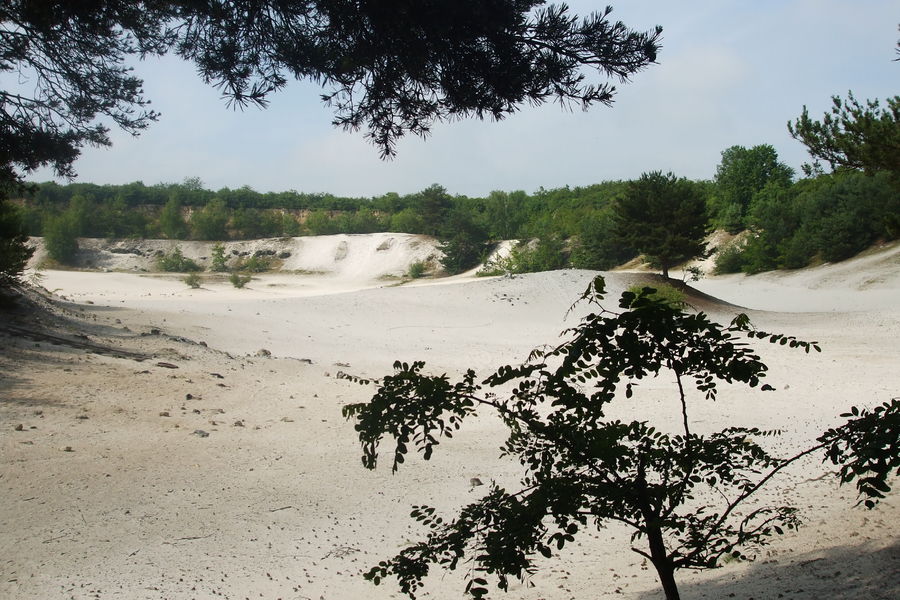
x=280, y=507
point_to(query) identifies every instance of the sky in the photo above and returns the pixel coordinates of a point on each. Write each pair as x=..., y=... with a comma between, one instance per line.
x=731, y=72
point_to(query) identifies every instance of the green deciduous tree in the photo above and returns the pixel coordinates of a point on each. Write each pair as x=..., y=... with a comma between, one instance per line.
x=407, y=221
x=463, y=241
x=116, y=219
x=271, y=224
x=597, y=247
x=832, y=217
x=662, y=217
x=854, y=135
x=61, y=237
x=247, y=223
x=506, y=214
x=209, y=223
x=320, y=222
x=290, y=226
x=679, y=492
x=82, y=211
x=363, y=220
x=740, y=176
x=171, y=221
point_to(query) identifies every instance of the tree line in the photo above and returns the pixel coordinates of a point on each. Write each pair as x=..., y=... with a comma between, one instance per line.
x=828, y=217
x=188, y=211
x=788, y=222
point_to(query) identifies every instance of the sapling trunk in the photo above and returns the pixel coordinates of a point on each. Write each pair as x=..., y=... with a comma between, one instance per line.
x=665, y=569
x=663, y=564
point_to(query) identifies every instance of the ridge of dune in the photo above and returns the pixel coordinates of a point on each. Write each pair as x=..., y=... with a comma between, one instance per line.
x=869, y=281
x=345, y=256
x=347, y=262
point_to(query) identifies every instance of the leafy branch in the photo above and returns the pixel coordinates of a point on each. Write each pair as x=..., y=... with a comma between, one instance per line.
x=583, y=469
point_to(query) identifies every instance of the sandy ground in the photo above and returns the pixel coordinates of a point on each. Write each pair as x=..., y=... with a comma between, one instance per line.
x=219, y=466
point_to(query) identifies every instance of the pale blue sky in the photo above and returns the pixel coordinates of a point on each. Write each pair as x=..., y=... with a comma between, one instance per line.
x=731, y=72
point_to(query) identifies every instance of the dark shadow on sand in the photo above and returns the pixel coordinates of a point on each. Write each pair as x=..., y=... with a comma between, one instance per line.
x=840, y=573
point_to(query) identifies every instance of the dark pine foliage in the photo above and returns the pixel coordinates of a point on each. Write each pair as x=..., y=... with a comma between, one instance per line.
x=854, y=135
x=393, y=66
x=664, y=217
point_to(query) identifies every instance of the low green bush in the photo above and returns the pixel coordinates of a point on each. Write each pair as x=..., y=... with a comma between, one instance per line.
x=193, y=280
x=254, y=264
x=547, y=254
x=496, y=266
x=176, y=262
x=238, y=280
x=672, y=296
x=416, y=270
x=491, y=270
x=730, y=259
x=544, y=254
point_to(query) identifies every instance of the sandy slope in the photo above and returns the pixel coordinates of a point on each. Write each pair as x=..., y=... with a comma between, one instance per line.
x=273, y=503
x=358, y=258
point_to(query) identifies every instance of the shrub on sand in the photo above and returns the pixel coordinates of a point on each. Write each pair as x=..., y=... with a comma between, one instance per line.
x=176, y=262
x=672, y=296
x=730, y=259
x=219, y=260
x=238, y=280
x=416, y=270
x=193, y=281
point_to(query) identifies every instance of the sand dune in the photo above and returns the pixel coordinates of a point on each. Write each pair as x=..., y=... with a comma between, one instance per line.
x=363, y=257
x=234, y=475
x=867, y=282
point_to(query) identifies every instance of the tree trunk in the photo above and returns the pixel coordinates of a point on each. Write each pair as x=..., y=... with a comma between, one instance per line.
x=658, y=555
x=663, y=564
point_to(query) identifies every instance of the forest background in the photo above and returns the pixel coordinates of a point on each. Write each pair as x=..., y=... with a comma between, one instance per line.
x=790, y=222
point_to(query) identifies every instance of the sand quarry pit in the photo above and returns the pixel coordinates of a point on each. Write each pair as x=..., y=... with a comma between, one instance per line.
x=203, y=454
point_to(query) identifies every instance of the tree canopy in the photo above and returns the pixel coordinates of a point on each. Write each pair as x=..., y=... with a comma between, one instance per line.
x=854, y=135
x=685, y=496
x=663, y=217
x=69, y=61
x=392, y=67
x=742, y=173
